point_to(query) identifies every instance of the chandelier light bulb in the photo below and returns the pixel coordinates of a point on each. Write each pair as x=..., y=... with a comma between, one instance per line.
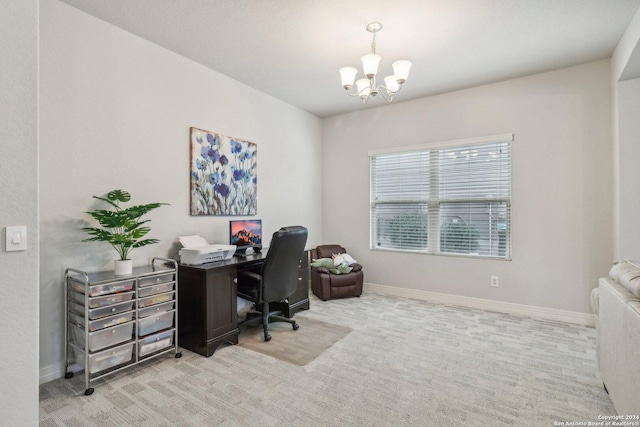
x=348, y=76
x=391, y=83
x=370, y=65
x=364, y=88
x=401, y=70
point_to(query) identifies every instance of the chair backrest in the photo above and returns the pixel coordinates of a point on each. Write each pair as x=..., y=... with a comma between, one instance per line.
x=327, y=251
x=280, y=269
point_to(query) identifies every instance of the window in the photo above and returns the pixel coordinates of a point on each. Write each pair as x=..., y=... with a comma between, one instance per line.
x=446, y=198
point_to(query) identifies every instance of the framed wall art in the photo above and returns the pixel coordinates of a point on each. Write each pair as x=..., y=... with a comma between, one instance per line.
x=223, y=175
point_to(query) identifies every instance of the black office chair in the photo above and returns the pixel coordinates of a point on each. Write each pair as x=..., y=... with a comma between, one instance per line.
x=277, y=279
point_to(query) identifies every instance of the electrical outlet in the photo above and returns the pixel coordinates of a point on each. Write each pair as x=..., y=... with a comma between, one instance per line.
x=494, y=281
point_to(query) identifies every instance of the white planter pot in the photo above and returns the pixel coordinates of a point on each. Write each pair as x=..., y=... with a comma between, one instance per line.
x=123, y=267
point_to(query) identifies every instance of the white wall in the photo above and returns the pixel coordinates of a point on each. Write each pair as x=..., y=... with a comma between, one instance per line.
x=19, y=206
x=562, y=181
x=115, y=113
x=625, y=78
x=628, y=172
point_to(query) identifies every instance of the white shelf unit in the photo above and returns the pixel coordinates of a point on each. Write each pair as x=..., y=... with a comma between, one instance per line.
x=114, y=322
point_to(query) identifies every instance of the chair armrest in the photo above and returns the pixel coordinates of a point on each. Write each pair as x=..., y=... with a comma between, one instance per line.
x=321, y=270
x=355, y=267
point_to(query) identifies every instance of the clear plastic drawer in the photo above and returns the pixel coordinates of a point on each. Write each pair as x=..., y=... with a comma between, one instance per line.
x=106, y=359
x=155, y=289
x=155, y=280
x=105, y=322
x=98, y=290
x=155, y=309
x=103, y=338
x=97, y=313
x=155, y=323
x=156, y=342
x=103, y=301
x=156, y=299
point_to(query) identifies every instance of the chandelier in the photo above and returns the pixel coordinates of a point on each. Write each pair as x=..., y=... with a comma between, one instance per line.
x=367, y=87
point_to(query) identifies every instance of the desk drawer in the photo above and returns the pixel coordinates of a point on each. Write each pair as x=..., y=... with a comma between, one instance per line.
x=304, y=261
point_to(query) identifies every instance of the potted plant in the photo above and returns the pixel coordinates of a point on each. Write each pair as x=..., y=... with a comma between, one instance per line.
x=122, y=227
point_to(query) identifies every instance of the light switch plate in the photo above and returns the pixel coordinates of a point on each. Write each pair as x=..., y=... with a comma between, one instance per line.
x=16, y=238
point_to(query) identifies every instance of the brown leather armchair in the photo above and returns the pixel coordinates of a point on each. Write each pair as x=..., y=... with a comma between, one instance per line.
x=326, y=285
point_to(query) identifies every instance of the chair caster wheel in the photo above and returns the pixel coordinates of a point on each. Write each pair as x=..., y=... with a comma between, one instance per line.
x=296, y=326
x=68, y=375
x=178, y=355
x=267, y=337
x=88, y=392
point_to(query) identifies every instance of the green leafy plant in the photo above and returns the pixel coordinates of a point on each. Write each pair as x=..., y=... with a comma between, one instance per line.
x=458, y=237
x=122, y=227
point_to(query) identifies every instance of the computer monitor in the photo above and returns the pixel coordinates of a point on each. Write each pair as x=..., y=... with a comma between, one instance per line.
x=245, y=234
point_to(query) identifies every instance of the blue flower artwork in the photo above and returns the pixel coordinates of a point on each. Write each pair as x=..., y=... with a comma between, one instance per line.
x=224, y=179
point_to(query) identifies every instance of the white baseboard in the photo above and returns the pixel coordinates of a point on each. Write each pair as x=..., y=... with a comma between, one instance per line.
x=51, y=372
x=586, y=319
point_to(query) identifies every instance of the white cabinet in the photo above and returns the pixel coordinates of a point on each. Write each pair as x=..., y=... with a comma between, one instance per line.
x=113, y=322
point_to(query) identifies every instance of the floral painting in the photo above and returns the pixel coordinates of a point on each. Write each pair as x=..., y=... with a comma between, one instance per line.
x=223, y=175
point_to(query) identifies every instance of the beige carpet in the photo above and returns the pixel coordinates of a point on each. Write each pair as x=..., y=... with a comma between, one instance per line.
x=405, y=363
x=297, y=347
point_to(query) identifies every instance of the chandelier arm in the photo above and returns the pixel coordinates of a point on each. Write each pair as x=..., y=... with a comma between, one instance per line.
x=390, y=91
x=356, y=93
x=352, y=93
x=388, y=94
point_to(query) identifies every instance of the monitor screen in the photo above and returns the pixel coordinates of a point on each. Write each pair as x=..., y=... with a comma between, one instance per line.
x=246, y=233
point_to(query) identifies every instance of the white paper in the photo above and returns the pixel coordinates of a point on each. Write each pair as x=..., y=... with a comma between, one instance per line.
x=193, y=241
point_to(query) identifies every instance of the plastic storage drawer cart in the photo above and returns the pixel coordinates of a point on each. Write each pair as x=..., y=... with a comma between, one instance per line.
x=114, y=322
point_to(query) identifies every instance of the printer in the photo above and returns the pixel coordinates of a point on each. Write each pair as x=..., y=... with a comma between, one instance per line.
x=195, y=251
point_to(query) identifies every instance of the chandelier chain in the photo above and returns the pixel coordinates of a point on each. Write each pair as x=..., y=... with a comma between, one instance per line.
x=373, y=43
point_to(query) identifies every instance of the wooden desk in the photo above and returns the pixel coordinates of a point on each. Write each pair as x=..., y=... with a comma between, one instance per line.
x=207, y=298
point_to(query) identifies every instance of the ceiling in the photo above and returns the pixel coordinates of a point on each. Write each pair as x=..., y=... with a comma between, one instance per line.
x=293, y=49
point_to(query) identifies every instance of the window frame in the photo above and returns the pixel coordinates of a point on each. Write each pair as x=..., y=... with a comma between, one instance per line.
x=433, y=203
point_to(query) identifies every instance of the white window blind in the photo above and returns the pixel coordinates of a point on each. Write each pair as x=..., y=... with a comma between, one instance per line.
x=447, y=198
